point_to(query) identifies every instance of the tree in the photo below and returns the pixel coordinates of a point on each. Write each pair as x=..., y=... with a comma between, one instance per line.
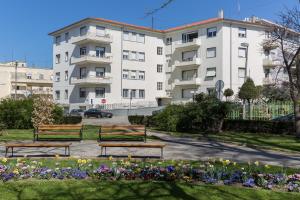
x=228, y=93
x=248, y=92
x=285, y=35
x=276, y=92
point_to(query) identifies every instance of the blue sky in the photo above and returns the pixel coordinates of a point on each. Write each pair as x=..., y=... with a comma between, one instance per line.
x=25, y=24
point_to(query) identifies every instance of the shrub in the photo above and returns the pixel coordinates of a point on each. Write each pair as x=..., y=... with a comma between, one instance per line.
x=16, y=113
x=258, y=126
x=71, y=120
x=141, y=120
x=58, y=114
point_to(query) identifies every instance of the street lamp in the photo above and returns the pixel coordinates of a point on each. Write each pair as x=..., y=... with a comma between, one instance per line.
x=16, y=78
x=246, y=45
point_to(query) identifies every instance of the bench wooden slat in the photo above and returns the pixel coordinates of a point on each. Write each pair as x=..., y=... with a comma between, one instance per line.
x=38, y=144
x=126, y=144
x=58, y=133
x=59, y=128
x=124, y=133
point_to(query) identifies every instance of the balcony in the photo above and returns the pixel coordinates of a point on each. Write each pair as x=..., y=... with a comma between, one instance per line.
x=91, y=80
x=192, y=81
x=33, y=82
x=192, y=62
x=92, y=59
x=269, y=63
x=195, y=43
x=92, y=37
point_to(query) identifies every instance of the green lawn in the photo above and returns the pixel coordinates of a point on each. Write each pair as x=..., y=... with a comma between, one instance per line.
x=257, y=140
x=89, y=189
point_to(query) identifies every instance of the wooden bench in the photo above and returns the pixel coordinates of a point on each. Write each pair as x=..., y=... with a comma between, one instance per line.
x=61, y=129
x=132, y=145
x=126, y=130
x=37, y=145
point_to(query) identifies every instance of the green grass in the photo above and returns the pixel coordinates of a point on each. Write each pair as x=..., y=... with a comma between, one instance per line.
x=91, y=189
x=257, y=140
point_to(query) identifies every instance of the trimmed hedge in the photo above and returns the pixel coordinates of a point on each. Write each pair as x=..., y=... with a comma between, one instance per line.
x=258, y=126
x=140, y=120
x=71, y=120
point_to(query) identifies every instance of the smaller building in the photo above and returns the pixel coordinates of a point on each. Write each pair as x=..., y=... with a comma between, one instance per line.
x=17, y=80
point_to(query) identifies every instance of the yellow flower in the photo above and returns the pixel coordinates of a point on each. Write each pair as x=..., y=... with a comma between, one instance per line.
x=16, y=171
x=129, y=156
x=83, y=161
x=19, y=159
x=256, y=163
x=57, y=156
x=110, y=158
x=226, y=162
x=79, y=161
x=4, y=160
x=89, y=160
x=267, y=166
x=234, y=163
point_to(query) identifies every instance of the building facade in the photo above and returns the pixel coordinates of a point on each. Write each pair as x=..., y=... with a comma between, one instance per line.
x=103, y=62
x=19, y=81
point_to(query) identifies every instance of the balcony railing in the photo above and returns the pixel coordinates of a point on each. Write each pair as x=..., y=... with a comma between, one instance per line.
x=192, y=81
x=92, y=37
x=192, y=61
x=91, y=80
x=268, y=62
x=196, y=42
x=85, y=59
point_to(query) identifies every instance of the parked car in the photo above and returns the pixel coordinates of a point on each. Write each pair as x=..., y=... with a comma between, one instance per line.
x=285, y=118
x=76, y=112
x=97, y=113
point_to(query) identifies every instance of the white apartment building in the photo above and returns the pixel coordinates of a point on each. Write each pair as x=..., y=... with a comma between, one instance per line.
x=23, y=81
x=99, y=61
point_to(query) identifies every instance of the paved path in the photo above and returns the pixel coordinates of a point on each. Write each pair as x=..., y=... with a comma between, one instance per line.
x=178, y=148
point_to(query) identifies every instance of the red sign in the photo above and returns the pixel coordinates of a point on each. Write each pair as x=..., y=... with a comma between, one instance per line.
x=103, y=100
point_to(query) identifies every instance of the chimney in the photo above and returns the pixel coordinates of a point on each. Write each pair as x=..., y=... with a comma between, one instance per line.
x=221, y=14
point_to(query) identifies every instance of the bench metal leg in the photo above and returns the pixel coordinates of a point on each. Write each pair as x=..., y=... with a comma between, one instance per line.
x=161, y=153
x=65, y=151
x=101, y=151
x=6, y=151
x=12, y=152
x=69, y=153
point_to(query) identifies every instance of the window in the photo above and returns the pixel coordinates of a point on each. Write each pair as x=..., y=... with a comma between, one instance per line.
x=66, y=56
x=125, y=74
x=67, y=37
x=57, y=76
x=189, y=37
x=159, y=68
x=242, y=32
x=211, y=72
x=189, y=55
x=159, y=85
x=141, y=75
x=133, y=94
x=83, y=30
x=41, y=76
x=57, y=58
x=100, y=31
x=82, y=51
x=188, y=93
x=189, y=74
x=169, y=41
x=28, y=75
x=100, y=92
x=126, y=35
x=133, y=37
x=159, y=50
x=141, y=56
x=133, y=55
x=57, y=40
x=66, y=75
x=125, y=93
x=141, y=94
x=211, y=52
x=66, y=94
x=82, y=72
x=126, y=55
x=141, y=38
x=242, y=52
x=212, y=32
x=241, y=72
x=57, y=94
x=100, y=72
x=133, y=74
x=100, y=51
x=82, y=92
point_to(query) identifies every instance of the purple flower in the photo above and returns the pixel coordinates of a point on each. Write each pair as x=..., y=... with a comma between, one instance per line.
x=170, y=168
x=249, y=183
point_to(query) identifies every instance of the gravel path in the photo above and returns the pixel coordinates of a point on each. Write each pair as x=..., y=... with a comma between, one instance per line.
x=177, y=148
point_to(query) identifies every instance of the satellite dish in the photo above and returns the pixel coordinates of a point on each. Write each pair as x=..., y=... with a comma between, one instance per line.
x=219, y=86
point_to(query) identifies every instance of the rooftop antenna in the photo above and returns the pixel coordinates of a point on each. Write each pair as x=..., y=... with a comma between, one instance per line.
x=152, y=12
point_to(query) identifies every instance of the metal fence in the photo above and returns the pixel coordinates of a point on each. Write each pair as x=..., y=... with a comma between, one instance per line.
x=133, y=105
x=261, y=111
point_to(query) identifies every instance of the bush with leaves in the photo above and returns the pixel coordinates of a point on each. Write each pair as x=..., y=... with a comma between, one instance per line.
x=228, y=93
x=248, y=92
x=276, y=93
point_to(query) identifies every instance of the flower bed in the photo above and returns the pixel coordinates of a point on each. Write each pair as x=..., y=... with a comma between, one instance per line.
x=210, y=172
